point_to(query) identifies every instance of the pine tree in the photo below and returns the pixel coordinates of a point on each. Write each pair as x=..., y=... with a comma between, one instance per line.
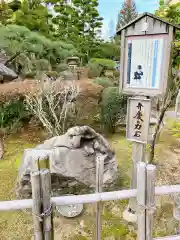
x=78, y=23
x=32, y=14
x=126, y=14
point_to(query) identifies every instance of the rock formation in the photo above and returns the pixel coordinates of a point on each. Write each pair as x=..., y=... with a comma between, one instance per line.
x=72, y=162
x=6, y=74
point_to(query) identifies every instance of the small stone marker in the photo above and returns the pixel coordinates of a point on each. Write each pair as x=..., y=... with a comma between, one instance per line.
x=70, y=210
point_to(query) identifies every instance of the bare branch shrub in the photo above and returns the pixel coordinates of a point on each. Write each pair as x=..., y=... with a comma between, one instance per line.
x=166, y=103
x=54, y=105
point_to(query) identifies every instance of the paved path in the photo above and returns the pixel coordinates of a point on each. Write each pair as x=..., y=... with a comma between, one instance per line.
x=172, y=114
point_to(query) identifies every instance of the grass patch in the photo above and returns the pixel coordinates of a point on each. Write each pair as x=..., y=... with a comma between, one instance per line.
x=13, y=225
x=18, y=225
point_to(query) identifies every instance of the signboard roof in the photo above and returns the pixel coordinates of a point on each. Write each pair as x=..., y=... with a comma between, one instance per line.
x=145, y=15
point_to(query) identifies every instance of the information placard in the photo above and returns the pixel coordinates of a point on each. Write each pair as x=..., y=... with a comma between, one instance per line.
x=145, y=65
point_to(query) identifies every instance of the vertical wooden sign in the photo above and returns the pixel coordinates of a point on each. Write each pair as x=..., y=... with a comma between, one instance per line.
x=138, y=117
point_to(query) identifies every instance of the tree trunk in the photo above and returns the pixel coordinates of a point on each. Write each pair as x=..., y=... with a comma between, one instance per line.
x=12, y=58
x=1, y=148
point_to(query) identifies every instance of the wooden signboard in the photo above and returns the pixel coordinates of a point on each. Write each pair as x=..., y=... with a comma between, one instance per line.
x=146, y=45
x=138, y=116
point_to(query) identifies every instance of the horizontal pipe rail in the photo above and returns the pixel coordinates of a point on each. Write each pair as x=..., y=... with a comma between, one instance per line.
x=176, y=237
x=88, y=198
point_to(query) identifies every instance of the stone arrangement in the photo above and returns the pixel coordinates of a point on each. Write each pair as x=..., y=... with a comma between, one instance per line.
x=72, y=162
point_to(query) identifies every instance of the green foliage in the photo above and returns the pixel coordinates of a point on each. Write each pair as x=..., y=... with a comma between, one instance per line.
x=106, y=63
x=13, y=114
x=33, y=15
x=109, y=50
x=5, y=13
x=113, y=108
x=104, y=82
x=77, y=23
x=62, y=67
x=94, y=70
x=37, y=52
x=52, y=74
x=176, y=129
x=127, y=14
x=97, y=66
x=42, y=64
x=171, y=13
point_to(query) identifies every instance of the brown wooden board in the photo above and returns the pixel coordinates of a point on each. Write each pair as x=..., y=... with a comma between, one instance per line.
x=138, y=117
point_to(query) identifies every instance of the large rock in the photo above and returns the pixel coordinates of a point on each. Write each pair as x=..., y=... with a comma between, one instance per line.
x=72, y=161
x=6, y=73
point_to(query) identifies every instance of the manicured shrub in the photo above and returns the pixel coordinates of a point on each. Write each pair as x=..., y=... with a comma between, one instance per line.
x=113, y=108
x=97, y=66
x=62, y=67
x=104, y=82
x=107, y=63
x=94, y=70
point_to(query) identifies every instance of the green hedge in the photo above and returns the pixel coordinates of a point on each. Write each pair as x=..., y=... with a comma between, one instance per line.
x=98, y=65
x=104, y=82
x=107, y=63
x=113, y=108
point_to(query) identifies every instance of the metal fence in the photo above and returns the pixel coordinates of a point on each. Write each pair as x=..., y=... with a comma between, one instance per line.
x=42, y=204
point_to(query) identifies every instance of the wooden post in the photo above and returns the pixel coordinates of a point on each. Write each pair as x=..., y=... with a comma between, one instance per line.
x=36, y=208
x=141, y=200
x=150, y=200
x=177, y=104
x=99, y=188
x=46, y=202
x=138, y=155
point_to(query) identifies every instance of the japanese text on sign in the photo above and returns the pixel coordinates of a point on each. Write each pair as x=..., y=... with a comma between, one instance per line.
x=138, y=116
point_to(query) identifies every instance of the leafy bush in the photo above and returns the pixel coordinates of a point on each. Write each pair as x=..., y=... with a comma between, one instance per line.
x=104, y=82
x=52, y=74
x=113, y=108
x=97, y=66
x=62, y=67
x=36, y=52
x=116, y=74
x=94, y=70
x=108, y=50
x=31, y=74
x=107, y=63
x=13, y=114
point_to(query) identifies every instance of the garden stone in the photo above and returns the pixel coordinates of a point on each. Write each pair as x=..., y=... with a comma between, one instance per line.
x=6, y=73
x=72, y=162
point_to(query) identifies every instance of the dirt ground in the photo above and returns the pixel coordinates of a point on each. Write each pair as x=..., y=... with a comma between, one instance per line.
x=18, y=225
